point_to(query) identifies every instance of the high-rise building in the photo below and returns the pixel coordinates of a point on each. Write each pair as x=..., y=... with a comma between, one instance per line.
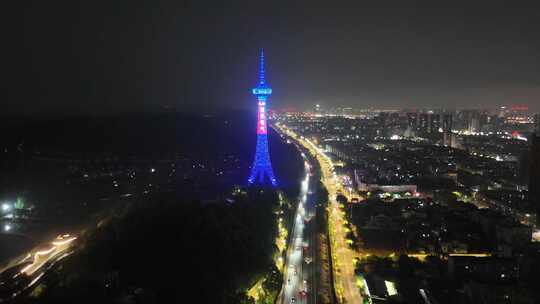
x=382, y=119
x=423, y=123
x=518, y=114
x=469, y=120
x=262, y=171
x=317, y=109
x=503, y=111
x=483, y=120
x=474, y=124
x=412, y=121
x=434, y=123
x=447, y=123
x=446, y=126
x=474, y=120
x=347, y=111
x=394, y=118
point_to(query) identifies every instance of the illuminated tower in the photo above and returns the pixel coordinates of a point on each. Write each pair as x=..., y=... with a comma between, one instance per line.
x=262, y=167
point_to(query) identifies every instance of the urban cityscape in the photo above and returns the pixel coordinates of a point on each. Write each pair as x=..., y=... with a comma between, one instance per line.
x=205, y=153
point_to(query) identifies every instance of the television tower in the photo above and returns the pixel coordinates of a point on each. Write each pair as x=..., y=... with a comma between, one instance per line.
x=261, y=165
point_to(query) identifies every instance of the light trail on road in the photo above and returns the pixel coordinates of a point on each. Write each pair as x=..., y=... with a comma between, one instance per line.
x=59, y=245
x=297, y=274
x=37, y=263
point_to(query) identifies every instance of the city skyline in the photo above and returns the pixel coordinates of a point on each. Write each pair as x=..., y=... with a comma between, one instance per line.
x=397, y=160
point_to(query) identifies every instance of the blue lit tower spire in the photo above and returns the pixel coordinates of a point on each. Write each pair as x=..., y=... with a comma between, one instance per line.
x=262, y=81
x=262, y=167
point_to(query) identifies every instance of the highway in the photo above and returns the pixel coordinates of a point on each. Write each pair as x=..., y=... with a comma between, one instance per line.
x=60, y=245
x=299, y=275
x=16, y=280
x=343, y=256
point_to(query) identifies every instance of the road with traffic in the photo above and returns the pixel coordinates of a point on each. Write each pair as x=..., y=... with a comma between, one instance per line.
x=19, y=279
x=299, y=279
x=343, y=256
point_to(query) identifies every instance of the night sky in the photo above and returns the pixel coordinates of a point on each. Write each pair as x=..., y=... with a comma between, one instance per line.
x=129, y=55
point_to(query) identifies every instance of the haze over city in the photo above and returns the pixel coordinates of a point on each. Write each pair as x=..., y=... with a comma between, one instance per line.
x=76, y=56
x=247, y=152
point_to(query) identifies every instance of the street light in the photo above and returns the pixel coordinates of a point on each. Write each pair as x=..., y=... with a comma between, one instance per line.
x=6, y=207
